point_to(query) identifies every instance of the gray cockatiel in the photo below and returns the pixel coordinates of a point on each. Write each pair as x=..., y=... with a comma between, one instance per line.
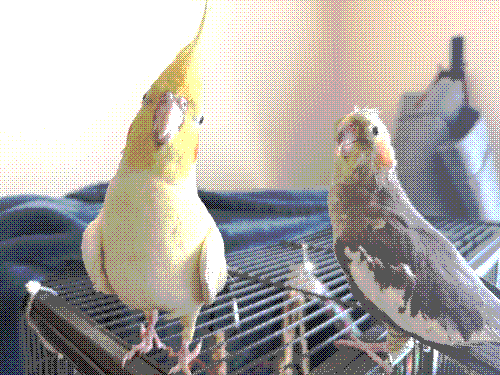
x=400, y=268
x=154, y=243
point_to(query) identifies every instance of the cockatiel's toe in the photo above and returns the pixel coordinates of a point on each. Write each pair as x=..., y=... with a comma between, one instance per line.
x=370, y=348
x=149, y=337
x=185, y=357
x=399, y=266
x=155, y=244
x=395, y=341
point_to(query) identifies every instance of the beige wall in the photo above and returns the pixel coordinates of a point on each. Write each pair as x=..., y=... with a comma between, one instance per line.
x=369, y=53
x=277, y=73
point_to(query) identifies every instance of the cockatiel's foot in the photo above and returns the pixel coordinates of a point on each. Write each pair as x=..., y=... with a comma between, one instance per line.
x=149, y=337
x=156, y=338
x=185, y=357
x=370, y=348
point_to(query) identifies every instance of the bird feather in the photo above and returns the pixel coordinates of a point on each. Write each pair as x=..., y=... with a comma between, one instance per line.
x=399, y=266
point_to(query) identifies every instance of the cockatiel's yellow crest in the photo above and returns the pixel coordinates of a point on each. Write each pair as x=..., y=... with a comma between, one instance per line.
x=154, y=243
x=170, y=147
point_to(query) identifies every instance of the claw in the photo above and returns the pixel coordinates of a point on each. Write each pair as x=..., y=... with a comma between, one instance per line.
x=185, y=357
x=149, y=338
x=370, y=348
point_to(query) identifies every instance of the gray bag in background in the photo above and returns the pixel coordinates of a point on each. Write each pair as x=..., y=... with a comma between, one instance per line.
x=471, y=167
x=444, y=151
x=416, y=144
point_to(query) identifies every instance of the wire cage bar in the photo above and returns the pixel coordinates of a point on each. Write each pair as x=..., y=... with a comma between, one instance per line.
x=259, y=324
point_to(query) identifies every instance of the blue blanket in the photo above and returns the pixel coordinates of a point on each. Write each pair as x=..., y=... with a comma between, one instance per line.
x=41, y=236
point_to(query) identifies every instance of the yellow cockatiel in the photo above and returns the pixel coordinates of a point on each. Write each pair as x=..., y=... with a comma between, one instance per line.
x=154, y=243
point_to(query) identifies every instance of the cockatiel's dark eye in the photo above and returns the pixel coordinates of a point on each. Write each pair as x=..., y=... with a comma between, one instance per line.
x=146, y=99
x=201, y=120
x=375, y=130
x=341, y=137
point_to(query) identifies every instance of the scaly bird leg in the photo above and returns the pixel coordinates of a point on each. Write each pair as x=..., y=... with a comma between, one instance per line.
x=156, y=338
x=185, y=356
x=149, y=337
x=370, y=348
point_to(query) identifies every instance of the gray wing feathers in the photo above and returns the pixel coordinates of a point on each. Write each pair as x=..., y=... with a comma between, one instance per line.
x=93, y=257
x=481, y=358
x=213, y=272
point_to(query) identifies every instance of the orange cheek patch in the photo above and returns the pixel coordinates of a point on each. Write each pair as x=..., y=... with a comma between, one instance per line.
x=196, y=151
x=385, y=155
x=196, y=147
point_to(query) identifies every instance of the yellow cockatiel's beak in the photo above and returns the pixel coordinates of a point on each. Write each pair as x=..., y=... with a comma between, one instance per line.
x=166, y=128
x=154, y=243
